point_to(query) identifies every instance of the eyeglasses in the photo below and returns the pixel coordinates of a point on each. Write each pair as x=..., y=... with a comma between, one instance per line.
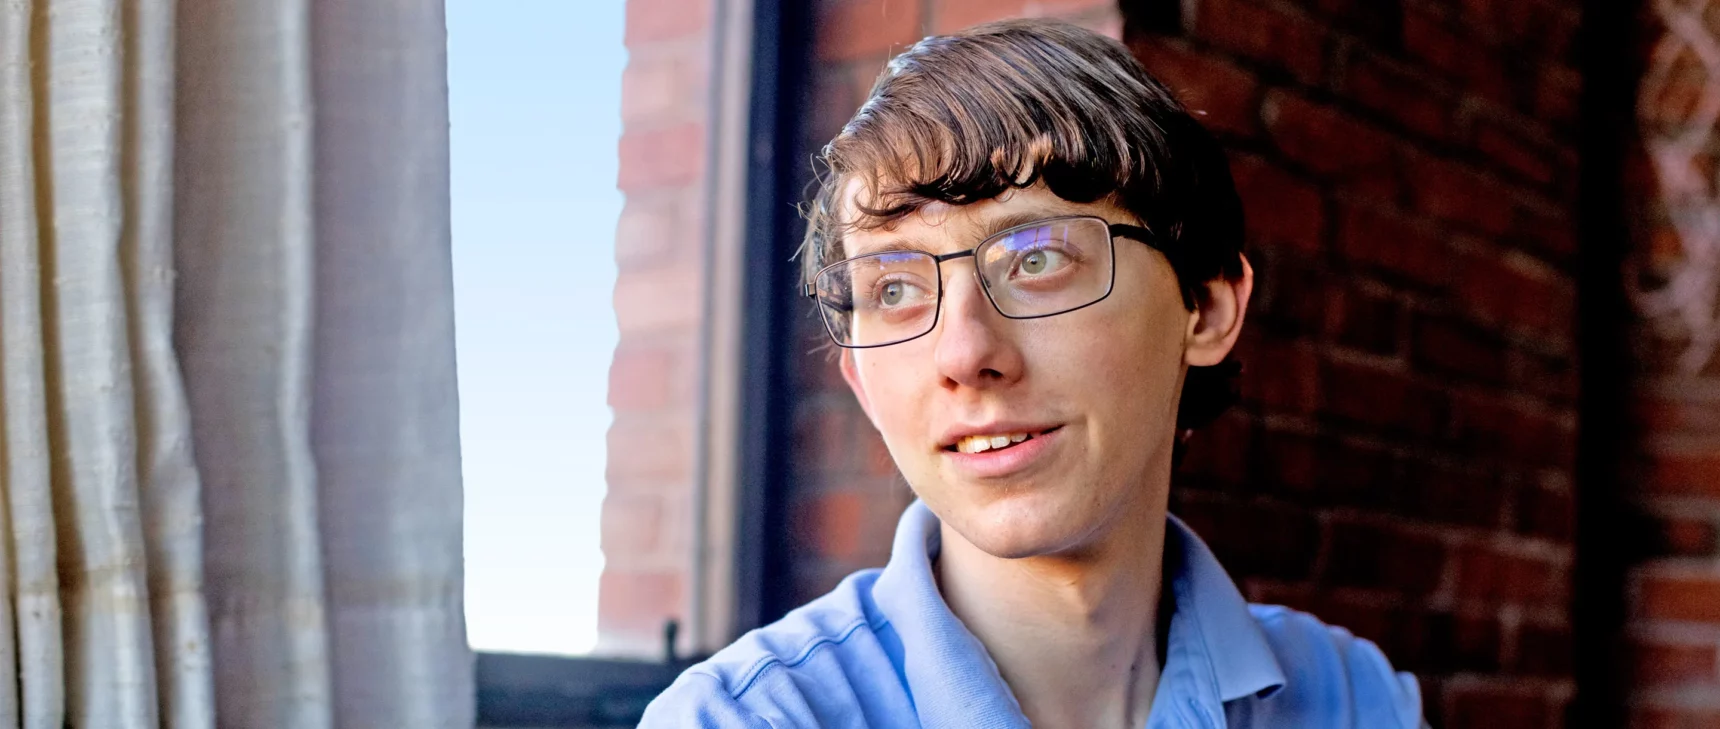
x=1039, y=269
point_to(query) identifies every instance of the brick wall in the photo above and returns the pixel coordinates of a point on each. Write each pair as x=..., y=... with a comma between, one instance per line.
x=1402, y=464
x=1673, y=474
x=653, y=378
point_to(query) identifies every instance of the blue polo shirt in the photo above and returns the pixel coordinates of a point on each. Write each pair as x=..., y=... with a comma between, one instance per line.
x=883, y=650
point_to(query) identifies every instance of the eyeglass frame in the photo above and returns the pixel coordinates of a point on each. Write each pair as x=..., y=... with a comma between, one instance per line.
x=1113, y=231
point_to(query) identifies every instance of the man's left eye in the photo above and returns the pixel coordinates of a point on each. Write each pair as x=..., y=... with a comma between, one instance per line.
x=1039, y=262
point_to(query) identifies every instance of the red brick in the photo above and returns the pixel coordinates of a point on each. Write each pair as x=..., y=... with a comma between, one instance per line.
x=1267, y=34
x=1548, y=232
x=1219, y=453
x=1395, y=245
x=1663, y=664
x=1695, y=473
x=1671, y=596
x=832, y=524
x=663, y=157
x=1670, y=415
x=657, y=447
x=1550, y=377
x=1374, y=556
x=1370, y=19
x=1399, y=94
x=1289, y=465
x=1487, y=425
x=1385, y=399
x=949, y=16
x=1461, y=195
x=1548, y=513
x=850, y=29
x=650, y=21
x=632, y=524
x=824, y=438
x=1680, y=536
x=666, y=84
x=1558, y=96
x=647, y=378
x=1494, y=575
x=1473, y=66
x=1279, y=374
x=1545, y=29
x=1364, y=321
x=639, y=603
x=1331, y=143
x=1442, y=493
x=1289, y=291
x=1518, y=294
x=1279, y=208
x=659, y=301
x=1475, y=643
x=1256, y=540
x=1220, y=94
x=1545, y=650
x=1353, y=473
x=653, y=230
x=1671, y=718
x=1676, y=98
x=1444, y=345
x=1427, y=38
x=1489, y=707
x=1516, y=153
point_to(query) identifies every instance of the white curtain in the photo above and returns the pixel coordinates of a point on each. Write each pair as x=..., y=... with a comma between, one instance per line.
x=228, y=428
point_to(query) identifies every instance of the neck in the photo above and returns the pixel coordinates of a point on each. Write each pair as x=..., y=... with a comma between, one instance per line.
x=1073, y=634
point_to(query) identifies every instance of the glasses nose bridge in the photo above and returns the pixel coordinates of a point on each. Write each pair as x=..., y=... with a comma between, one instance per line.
x=978, y=276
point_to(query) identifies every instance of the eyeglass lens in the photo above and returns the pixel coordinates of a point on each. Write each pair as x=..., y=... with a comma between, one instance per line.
x=1028, y=272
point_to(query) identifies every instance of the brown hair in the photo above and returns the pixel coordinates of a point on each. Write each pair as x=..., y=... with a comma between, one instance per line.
x=962, y=118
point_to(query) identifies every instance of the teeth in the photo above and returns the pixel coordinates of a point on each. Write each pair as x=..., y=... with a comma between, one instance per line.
x=983, y=443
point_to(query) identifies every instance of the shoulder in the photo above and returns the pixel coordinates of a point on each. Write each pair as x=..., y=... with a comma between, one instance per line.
x=1333, y=674
x=824, y=664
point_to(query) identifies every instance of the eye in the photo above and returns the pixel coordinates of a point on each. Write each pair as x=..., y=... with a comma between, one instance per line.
x=892, y=293
x=898, y=292
x=1040, y=261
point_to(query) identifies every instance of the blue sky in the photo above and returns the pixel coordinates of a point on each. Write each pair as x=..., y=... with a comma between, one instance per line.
x=535, y=107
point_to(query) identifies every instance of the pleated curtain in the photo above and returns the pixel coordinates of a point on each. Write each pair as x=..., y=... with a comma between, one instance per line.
x=228, y=426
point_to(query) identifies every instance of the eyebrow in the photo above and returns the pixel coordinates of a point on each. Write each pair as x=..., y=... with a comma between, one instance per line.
x=988, y=227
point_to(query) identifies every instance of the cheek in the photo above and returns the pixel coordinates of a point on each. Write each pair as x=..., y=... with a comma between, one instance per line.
x=1127, y=367
x=891, y=393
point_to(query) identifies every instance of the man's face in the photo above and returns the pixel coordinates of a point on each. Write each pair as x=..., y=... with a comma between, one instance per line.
x=1095, y=389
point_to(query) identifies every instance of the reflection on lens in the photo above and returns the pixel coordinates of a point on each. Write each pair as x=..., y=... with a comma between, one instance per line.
x=1048, y=268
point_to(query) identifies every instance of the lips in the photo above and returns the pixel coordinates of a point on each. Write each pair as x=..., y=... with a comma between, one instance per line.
x=992, y=439
x=973, y=456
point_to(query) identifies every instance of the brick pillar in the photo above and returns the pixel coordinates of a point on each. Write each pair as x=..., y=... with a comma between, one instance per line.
x=1674, y=478
x=653, y=379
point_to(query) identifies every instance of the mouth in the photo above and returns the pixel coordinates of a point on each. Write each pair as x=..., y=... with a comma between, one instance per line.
x=986, y=442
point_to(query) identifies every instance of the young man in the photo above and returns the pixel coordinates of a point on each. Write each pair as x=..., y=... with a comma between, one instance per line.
x=1030, y=256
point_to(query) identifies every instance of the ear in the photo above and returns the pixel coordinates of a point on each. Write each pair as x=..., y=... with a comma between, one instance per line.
x=1217, y=319
x=851, y=376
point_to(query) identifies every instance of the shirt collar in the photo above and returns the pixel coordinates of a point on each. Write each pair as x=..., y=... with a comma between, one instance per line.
x=954, y=682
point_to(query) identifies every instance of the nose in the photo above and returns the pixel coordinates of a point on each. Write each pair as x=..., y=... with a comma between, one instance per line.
x=972, y=348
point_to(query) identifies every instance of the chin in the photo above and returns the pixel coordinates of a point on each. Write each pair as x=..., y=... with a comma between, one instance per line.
x=1025, y=525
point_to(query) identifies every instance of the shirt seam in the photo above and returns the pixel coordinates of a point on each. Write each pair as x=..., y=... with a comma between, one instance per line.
x=806, y=652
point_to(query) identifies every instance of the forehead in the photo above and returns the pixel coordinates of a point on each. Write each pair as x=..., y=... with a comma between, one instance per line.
x=942, y=228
